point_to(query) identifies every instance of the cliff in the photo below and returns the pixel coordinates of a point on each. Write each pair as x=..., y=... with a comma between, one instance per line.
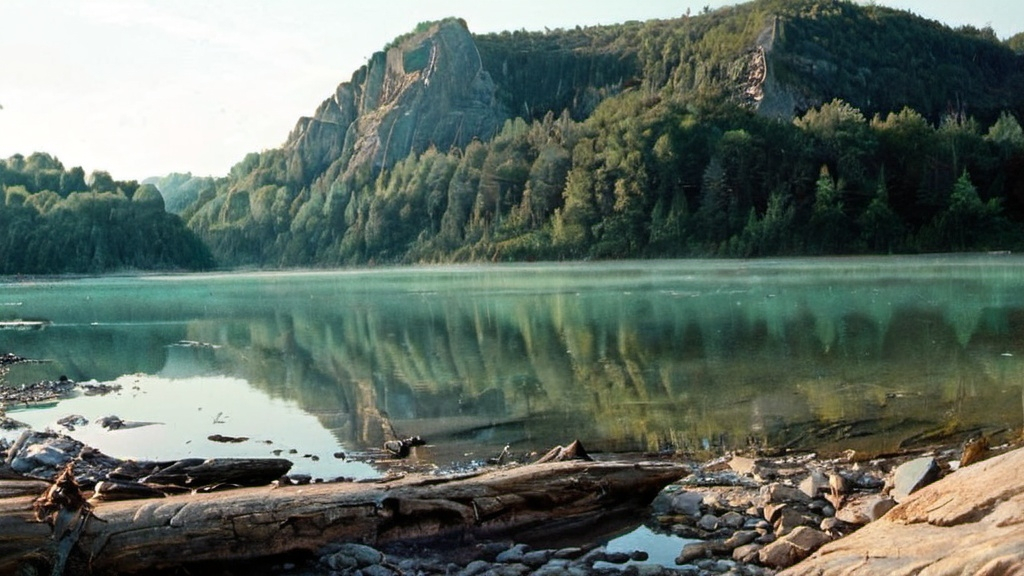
x=431, y=89
x=444, y=87
x=452, y=146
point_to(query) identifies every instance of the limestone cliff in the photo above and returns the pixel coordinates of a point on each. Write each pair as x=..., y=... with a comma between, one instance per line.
x=429, y=90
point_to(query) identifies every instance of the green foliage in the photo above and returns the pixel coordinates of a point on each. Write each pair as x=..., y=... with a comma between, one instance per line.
x=78, y=228
x=182, y=190
x=643, y=140
x=828, y=228
x=968, y=223
x=882, y=230
x=1016, y=43
x=1007, y=134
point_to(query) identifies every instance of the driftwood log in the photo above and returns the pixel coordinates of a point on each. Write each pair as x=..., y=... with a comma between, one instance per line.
x=143, y=535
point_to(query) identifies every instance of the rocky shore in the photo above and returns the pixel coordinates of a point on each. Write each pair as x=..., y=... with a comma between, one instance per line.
x=955, y=507
x=792, y=515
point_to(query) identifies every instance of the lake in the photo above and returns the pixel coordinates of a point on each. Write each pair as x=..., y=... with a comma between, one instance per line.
x=869, y=354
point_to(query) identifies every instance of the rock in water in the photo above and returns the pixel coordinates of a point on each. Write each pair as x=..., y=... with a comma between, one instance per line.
x=402, y=448
x=912, y=476
x=73, y=420
x=226, y=439
x=111, y=422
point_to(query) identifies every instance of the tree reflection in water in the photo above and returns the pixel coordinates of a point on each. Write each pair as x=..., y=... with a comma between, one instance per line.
x=868, y=354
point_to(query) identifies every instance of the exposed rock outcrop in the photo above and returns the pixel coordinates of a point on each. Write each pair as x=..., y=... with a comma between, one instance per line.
x=429, y=90
x=970, y=522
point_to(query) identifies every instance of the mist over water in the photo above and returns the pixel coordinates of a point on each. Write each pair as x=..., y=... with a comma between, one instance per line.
x=827, y=354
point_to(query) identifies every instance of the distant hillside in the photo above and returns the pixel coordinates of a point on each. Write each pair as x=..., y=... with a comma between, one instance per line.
x=57, y=221
x=772, y=127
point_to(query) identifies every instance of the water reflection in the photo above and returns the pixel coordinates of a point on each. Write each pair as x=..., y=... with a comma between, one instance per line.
x=858, y=353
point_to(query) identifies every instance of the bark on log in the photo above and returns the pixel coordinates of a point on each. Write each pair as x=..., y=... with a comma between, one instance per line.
x=143, y=535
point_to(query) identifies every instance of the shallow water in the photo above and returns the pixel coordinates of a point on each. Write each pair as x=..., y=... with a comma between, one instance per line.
x=831, y=354
x=662, y=549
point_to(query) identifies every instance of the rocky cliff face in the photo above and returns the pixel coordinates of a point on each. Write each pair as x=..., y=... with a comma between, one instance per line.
x=429, y=90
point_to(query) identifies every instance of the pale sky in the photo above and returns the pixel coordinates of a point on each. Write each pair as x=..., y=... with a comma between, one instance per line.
x=143, y=88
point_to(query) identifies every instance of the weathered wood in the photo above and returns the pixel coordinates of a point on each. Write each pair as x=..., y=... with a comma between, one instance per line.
x=196, y=472
x=141, y=535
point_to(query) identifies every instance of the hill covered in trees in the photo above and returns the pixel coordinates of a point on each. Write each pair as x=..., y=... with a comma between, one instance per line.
x=769, y=128
x=55, y=220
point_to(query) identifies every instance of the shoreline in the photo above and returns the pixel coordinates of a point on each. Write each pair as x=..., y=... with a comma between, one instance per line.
x=729, y=510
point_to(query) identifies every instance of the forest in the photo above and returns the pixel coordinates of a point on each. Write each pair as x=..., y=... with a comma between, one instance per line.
x=58, y=221
x=645, y=178
x=677, y=161
x=770, y=128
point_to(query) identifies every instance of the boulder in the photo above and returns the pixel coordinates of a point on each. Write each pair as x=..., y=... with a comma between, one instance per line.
x=746, y=553
x=354, y=556
x=708, y=522
x=42, y=455
x=792, y=547
x=732, y=520
x=745, y=466
x=970, y=522
x=867, y=509
x=514, y=554
x=814, y=484
x=777, y=493
x=693, y=551
x=687, y=503
x=741, y=538
x=912, y=476
x=789, y=519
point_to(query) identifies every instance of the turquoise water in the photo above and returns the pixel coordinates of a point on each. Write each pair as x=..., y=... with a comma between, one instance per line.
x=830, y=354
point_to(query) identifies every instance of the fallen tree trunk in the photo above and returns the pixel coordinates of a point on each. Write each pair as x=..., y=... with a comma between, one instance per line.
x=247, y=523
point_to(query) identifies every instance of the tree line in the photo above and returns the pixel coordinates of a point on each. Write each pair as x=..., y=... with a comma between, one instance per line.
x=646, y=177
x=675, y=162
x=672, y=161
x=55, y=220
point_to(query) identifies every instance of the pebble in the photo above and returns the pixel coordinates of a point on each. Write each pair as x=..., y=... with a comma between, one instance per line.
x=708, y=522
x=513, y=554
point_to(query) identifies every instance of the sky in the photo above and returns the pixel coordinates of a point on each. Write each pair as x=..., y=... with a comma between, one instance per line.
x=144, y=88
